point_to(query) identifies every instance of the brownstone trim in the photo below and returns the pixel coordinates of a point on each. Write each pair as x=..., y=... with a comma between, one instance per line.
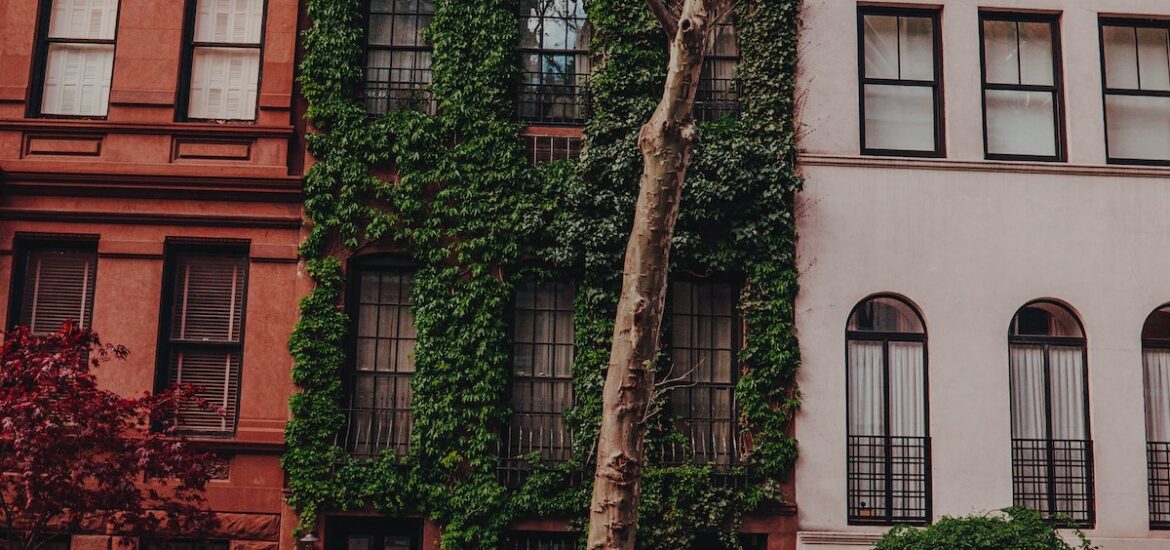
x=119, y=218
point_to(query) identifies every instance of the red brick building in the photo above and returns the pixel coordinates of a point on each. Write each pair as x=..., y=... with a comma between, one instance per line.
x=149, y=186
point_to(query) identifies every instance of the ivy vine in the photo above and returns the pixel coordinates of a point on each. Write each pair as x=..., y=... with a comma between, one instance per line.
x=465, y=204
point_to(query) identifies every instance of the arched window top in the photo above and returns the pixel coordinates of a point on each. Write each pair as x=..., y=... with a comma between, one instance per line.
x=887, y=314
x=1046, y=319
x=1157, y=325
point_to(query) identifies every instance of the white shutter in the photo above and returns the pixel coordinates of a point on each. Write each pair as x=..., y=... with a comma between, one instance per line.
x=77, y=79
x=58, y=286
x=224, y=83
x=229, y=21
x=92, y=19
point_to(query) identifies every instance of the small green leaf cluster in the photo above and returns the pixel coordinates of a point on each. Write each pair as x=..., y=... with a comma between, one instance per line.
x=1011, y=529
x=466, y=206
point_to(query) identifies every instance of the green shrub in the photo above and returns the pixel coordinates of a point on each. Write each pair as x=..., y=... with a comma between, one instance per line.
x=1012, y=529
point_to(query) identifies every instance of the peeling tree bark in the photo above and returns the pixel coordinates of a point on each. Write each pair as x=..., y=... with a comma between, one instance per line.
x=666, y=142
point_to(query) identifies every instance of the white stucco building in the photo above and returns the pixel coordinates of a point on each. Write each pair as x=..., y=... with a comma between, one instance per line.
x=985, y=245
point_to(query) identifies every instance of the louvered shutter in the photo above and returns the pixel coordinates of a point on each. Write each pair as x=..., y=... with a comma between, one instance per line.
x=58, y=286
x=205, y=337
x=77, y=75
x=225, y=79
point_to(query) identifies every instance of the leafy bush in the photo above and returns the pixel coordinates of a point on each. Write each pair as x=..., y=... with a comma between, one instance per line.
x=1012, y=529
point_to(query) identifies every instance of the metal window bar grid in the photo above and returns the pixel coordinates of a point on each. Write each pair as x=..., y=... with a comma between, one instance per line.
x=545, y=149
x=539, y=541
x=398, y=59
x=717, y=98
x=389, y=89
x=554, y=98
x=888, y=479
x=1158, y=463
x=1054, y=477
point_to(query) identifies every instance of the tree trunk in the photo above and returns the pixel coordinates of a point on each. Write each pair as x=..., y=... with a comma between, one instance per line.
x=666, y=142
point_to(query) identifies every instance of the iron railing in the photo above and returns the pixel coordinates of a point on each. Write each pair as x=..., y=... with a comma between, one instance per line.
x=1158, y=463
x=539, y=541
x=717, y=98
x=541, y=101
x=528, y=433
x=371, y=431
x=888, y=479
x=545, y=149
x=390, y=89
x=1054, y=477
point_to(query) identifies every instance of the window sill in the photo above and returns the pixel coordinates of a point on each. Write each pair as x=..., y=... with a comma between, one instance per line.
x=91, y=125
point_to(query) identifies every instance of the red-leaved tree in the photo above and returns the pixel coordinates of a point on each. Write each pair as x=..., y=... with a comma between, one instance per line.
x=75, y=457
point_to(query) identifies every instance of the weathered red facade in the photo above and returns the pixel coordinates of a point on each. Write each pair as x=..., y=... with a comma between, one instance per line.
x=141, y=179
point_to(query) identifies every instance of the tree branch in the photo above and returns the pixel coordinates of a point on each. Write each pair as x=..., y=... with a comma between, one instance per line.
x=668, y=21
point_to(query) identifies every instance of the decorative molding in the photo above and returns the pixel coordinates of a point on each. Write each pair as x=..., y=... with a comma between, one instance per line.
x=202, y=129
x=147, y=98
x=946, y=165
x=13, y=94
x=58, y=144
x=270, y=189
x=136, y=218
x=836, y=539
x=188, y=148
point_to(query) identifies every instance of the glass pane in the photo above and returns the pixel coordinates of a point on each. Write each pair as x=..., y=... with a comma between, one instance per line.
x=885, y=315
x=917, y=48
x=907, y=390
x=92, y=19
x=1121, y=66
x=1154, y=66
x=1046, y=319
x=1158, y=325
x=1027, y=389
x=229, y=21
x=1020, y=123
x=1067, y=384
x=1157, y=390
x=899, y=118
x=1036, y=54
x=866, y=389
x=77, y=79
x=224, y=83
x=881, y=46
x=1138, y=127
x=1001, y=62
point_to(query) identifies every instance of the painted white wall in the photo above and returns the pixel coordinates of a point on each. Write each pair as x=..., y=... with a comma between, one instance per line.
x=969, y=242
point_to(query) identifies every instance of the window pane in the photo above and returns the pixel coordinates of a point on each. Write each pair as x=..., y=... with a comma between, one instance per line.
x=1121, y=65
x=77, y=79
x=885, y=315
x=208, y=298
x=92, y=19
x=1020, y=123
x=1036, y=54
x=217, y=375
x=1000, y=53
x=58, y=286
x=917, y=48
x=907, y=390
x=881, y=46
x=1067, y=381
x=899, y=117
x=1157, y=382
x=866, y=389
x=229, y=21
x=1139, y=127
x=1027, y=389
x=1154, y=66
x=224, y=83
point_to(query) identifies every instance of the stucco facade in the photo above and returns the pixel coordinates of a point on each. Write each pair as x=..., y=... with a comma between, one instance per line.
x=968, y=241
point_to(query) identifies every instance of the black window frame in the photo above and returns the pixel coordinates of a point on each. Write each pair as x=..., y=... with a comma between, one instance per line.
x=338, y=529
x=40, y=60
x=524, y=540
x=579, y=88
x=1157, y=452
x=1106, y=91
x=425, y=94
x=711, y=103
x=173, y=249
x=887, y=518
x=1019, y=446
x=357, y=267
x=935, y=15
x=1056, y=89
x=24, y=244
x=187, y=64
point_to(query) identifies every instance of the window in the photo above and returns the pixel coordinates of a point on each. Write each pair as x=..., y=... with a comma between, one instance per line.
x=715, y=540
x=901, y=94
x=554, y=49
x=378, y=388
x=398, y=58
x=704, y=343
x=1052, y=455
x=517, y=540
x=1135, y=59
x=888, y=428
x=372, y=533
x=545, y=149
x=203, y=334
x=55, y=284
x=718, y=93
x=1022, y=97
x=1156, y=375
x=542, y=378
x=77, y=55
x=223, y=59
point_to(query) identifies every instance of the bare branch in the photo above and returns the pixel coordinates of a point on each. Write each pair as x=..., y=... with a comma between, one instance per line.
x=665, y=18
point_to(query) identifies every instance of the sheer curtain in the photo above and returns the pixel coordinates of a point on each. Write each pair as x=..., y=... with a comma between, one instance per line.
x=1157, y=381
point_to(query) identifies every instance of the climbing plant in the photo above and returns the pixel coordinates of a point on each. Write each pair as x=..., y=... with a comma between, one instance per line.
x=465, y=205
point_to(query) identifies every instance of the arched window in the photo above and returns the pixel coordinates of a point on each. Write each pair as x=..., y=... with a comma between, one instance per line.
x=888, y=434
x=1052, y=453
x=1156, y=371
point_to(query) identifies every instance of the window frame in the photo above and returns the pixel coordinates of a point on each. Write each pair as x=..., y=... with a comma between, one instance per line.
x=935, y=16
x=40, y=63
x=711, y=108
x=26, y=243
x=885, y=338
x=173, y=249
x=581, y=79
x=428, y=98
x=1047, y=342
x=187, y=64
x=1155, y=449
x=1056, y=89
x=1106, y=91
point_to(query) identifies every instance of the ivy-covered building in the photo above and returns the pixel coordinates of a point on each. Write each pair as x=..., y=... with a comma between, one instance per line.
x=472, y=181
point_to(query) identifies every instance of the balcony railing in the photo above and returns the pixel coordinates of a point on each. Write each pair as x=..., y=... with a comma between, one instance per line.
x=1158, y=462
x=391, y=89
x=543, y=102
x=527, y=433
x=371, y=431
x=717, y=98
x=889, y=479
x=539, y=541
x=1054, y=477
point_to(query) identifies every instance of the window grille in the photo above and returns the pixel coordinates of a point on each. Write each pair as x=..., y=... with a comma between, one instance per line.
x=718, y=93
x=539, y=541
x=545, y=149
x=554, y=49
x=398, y=57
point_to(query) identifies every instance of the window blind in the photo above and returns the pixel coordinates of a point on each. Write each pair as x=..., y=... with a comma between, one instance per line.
x=58, y=286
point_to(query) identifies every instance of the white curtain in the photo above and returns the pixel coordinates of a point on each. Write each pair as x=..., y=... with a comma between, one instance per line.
x=1067, y=374
x=1027, y=389
x=907, y=389
x=1157, y=382
x=866, y=394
